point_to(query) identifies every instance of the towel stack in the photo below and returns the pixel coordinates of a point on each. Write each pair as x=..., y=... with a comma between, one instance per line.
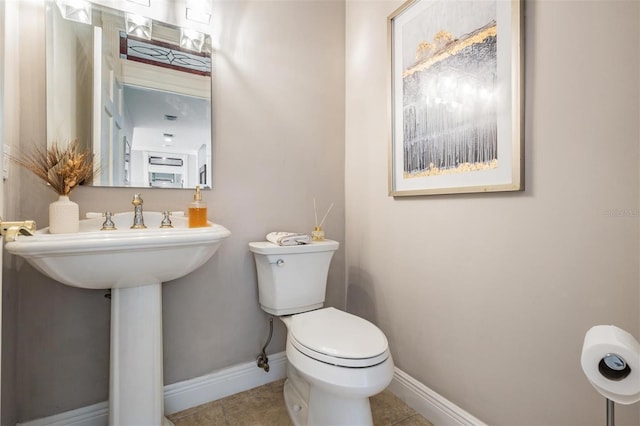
x=288, y=238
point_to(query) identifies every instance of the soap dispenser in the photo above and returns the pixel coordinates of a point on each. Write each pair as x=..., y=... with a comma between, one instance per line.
x=197, y=211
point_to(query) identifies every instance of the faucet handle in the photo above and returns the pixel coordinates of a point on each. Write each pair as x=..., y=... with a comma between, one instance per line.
x=137, y=199
x=108, y=224
x=166, y=222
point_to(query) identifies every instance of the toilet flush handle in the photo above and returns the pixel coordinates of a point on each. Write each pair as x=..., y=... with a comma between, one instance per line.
x=279, y=262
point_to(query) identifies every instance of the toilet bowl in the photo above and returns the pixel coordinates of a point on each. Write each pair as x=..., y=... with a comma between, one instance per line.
x=336, y=360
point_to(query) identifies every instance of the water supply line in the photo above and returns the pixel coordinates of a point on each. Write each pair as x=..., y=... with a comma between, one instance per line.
x=263, y=361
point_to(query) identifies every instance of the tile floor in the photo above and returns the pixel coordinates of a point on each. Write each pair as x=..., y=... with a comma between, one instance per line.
x=264, y=406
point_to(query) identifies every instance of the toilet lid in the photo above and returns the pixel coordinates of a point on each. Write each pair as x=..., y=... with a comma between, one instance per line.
x=338, y=338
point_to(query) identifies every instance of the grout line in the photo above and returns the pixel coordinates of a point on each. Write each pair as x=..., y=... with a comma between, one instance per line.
x=398, y=421
x=224, y=413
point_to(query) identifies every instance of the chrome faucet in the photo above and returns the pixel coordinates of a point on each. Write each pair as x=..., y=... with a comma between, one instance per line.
x=138, y=220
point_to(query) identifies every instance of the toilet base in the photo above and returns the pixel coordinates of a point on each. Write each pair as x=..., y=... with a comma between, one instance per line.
x=296, y=405
x=310, y=405
x=331, y=409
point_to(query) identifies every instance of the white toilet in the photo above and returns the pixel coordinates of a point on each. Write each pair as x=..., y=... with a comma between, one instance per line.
x=336, y=360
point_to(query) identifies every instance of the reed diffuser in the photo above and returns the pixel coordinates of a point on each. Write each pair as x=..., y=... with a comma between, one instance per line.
x=318, y=232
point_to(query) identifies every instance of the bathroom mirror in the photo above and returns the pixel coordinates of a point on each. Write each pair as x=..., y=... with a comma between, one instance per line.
x=133, y=85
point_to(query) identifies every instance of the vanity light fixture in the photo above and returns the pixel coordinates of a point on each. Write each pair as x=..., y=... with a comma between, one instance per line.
x=198, y=16
x=206, y=47
x=191, y=39
x=138, y=26
x=75, y=10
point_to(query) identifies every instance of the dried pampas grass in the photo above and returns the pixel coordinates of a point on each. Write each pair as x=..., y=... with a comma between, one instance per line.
x=63, y=168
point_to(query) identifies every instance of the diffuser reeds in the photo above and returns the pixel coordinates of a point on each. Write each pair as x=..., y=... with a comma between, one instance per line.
x=318, y=233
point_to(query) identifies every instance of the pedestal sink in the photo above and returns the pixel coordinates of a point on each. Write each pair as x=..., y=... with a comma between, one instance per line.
x=133, y=263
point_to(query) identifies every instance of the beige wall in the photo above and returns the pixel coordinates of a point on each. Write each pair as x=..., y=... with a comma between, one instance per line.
x=279, y=141
x=486, y=298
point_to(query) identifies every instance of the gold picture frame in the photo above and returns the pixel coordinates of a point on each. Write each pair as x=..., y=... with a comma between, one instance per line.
x=456, y=97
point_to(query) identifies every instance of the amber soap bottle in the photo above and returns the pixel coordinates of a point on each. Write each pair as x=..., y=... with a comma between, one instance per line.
x=197, y=211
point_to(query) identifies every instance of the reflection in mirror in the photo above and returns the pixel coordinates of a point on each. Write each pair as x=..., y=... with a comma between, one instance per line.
x=143, y=106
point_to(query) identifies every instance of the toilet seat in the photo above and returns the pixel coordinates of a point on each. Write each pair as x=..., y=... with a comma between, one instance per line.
x=338, y=338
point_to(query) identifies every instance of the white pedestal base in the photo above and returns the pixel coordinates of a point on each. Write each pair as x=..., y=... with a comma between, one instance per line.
x=136, y=377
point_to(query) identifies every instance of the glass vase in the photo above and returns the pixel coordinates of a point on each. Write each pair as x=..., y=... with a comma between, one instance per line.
x=317, y=234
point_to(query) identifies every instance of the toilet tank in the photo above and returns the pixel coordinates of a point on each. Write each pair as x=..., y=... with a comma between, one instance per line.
x=292, y=279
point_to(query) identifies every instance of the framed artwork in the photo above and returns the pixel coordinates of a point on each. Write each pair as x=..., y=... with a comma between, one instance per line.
x=456, y=97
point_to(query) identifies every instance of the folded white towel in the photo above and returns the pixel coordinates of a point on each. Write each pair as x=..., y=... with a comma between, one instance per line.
x=288, y=238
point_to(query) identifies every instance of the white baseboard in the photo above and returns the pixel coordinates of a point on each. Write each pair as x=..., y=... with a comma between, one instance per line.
x=431, y=405
x=238, y=378
x=182, y=395
x=92, y=415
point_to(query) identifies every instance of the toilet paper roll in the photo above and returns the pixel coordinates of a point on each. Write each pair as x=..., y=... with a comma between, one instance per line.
x=611, y=361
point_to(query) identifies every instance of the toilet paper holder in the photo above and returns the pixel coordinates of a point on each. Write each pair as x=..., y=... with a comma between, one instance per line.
x=614, y=367
x=610, y=360
x=611, y=421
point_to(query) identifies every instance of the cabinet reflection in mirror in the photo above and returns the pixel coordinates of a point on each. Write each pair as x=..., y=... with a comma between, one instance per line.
x=140, y=100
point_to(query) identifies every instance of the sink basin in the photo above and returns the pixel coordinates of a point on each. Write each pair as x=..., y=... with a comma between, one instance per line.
x=123, y=257
x=133, y=263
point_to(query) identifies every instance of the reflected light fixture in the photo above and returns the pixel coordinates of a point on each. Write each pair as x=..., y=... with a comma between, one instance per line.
x=75, y=10
x=138, y=26
x=191, y=39
x=198, y=16
x=206, y=47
